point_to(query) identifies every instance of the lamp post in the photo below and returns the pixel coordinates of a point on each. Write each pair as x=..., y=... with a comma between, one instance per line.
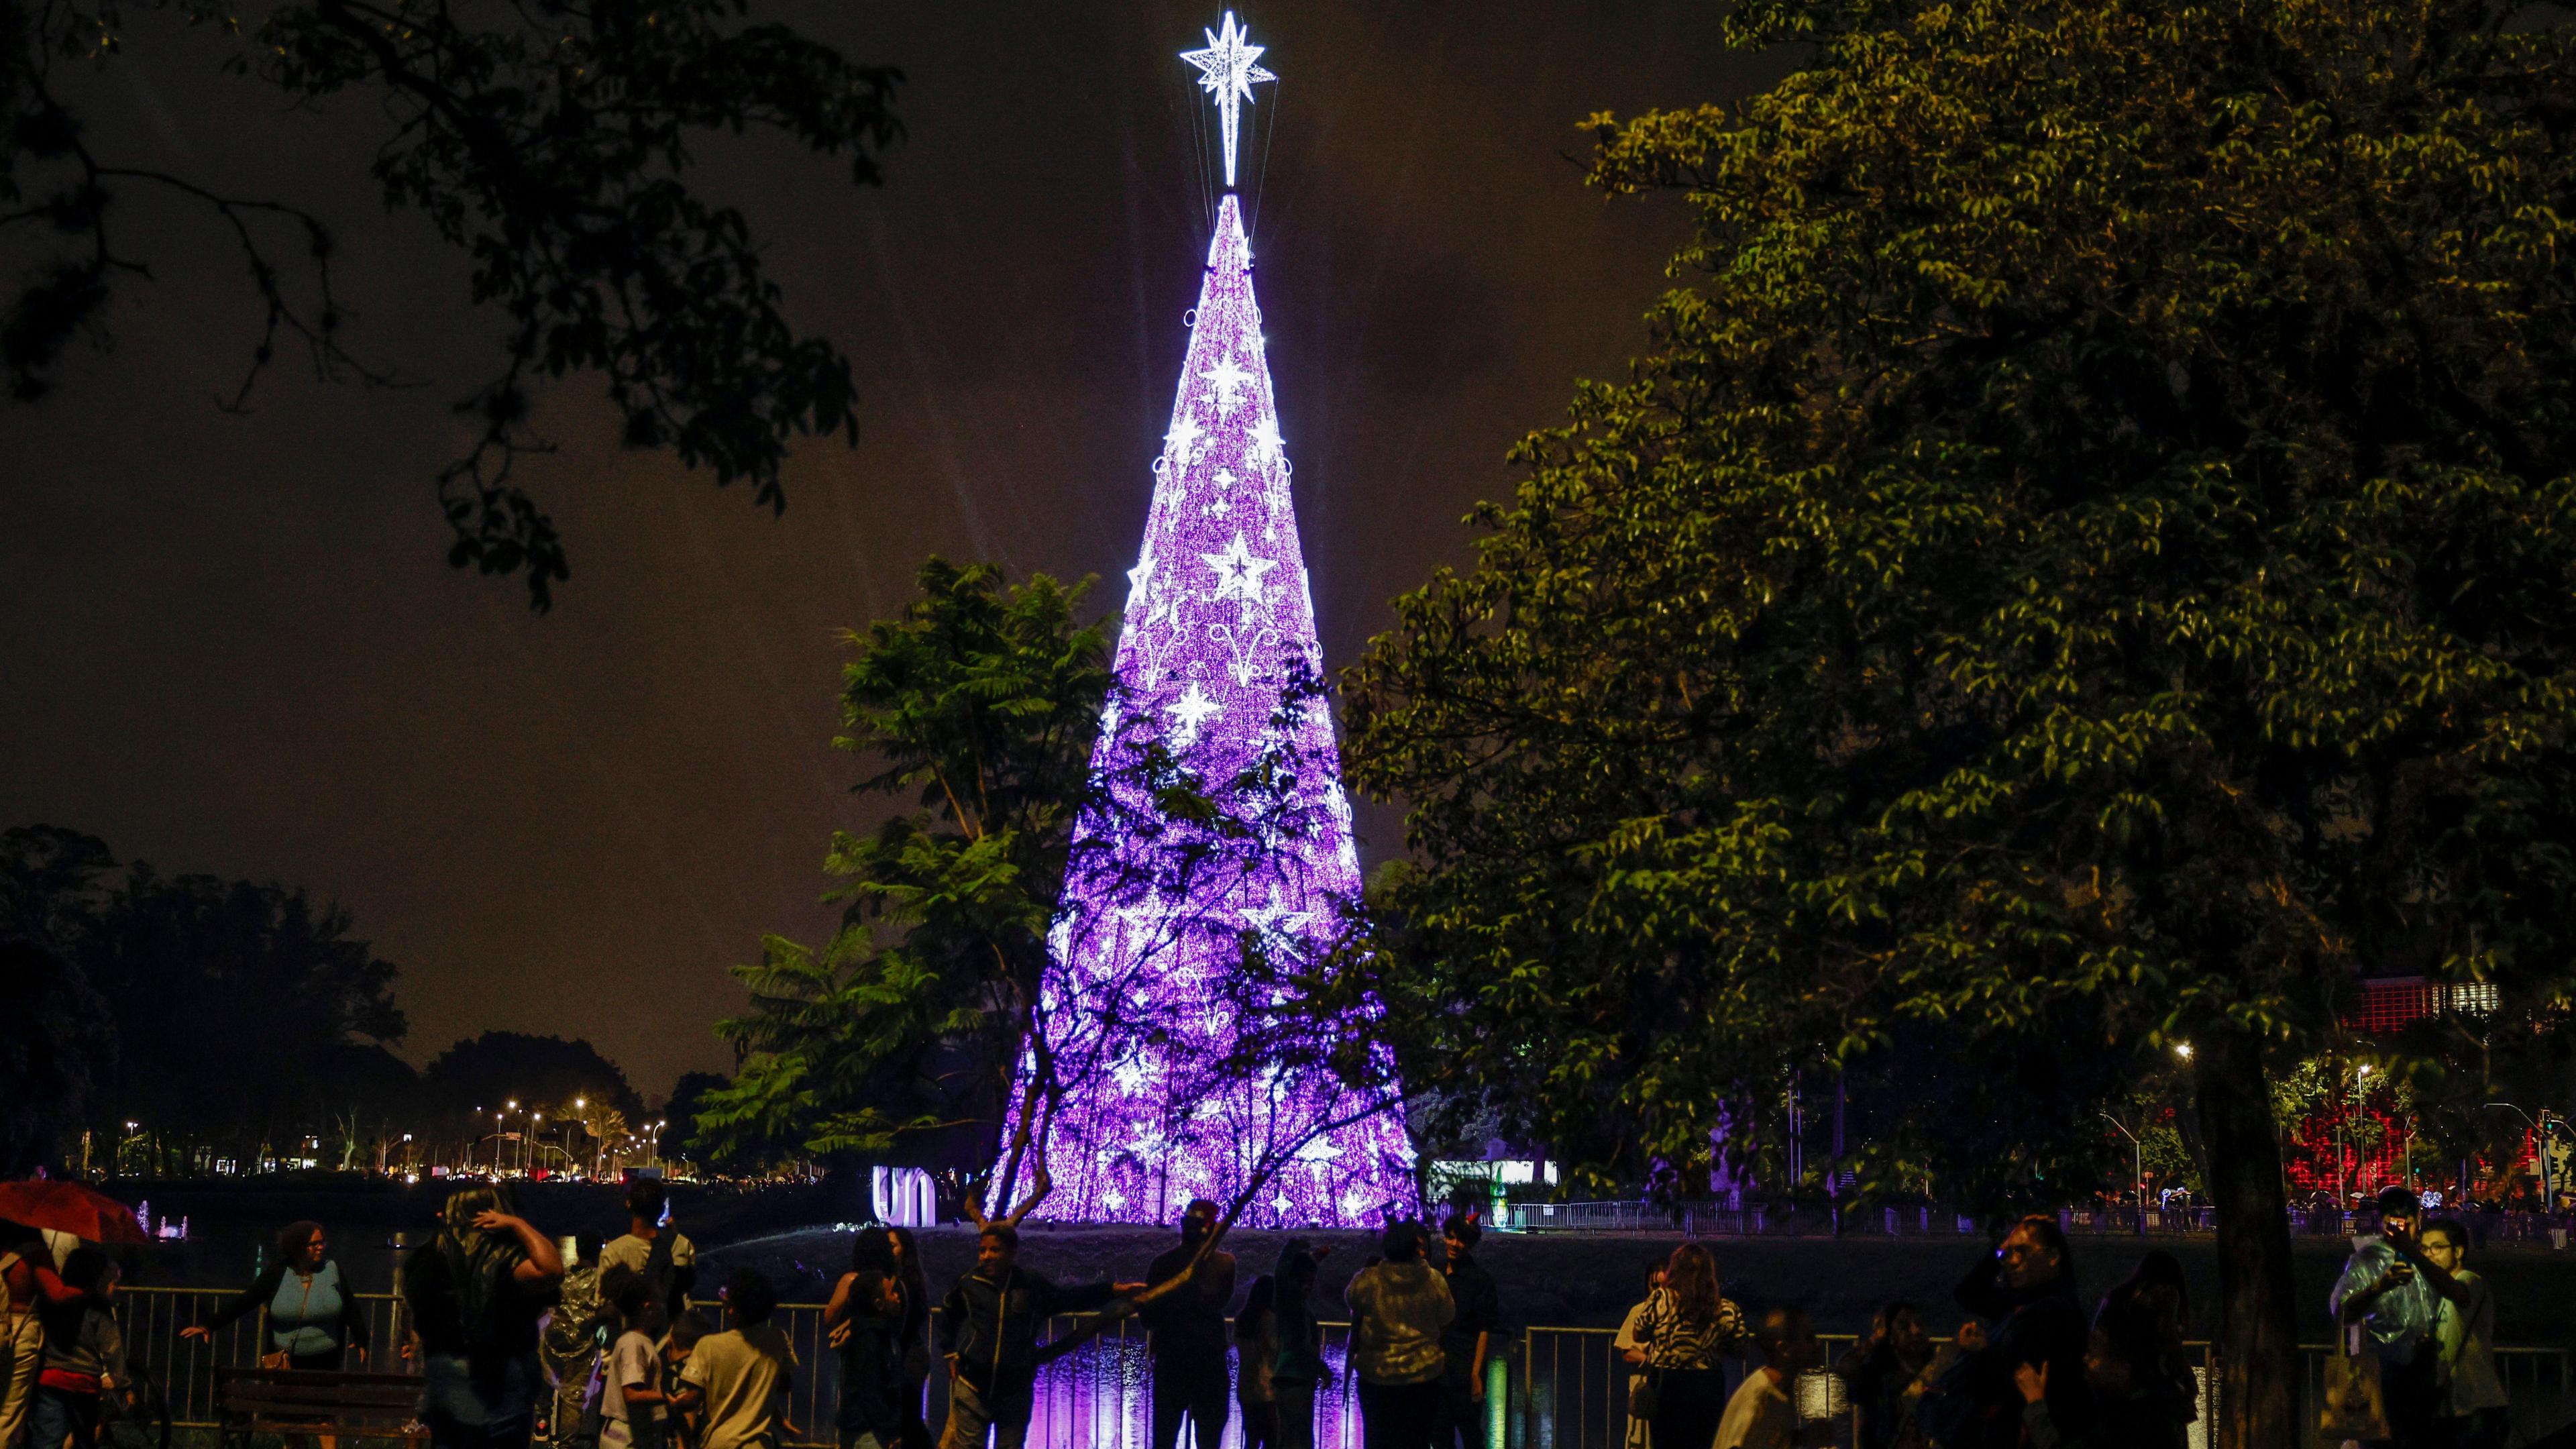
x=2138, y=1159
x=2539, y=1146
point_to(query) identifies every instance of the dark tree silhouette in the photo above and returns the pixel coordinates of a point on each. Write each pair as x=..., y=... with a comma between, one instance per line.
x=235, y=1002
x=539, y=1072
x=550, y=142
x=60, y=1039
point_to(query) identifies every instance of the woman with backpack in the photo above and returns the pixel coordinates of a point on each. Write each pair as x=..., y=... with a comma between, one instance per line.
x=475, y=1294
x=313, y=1316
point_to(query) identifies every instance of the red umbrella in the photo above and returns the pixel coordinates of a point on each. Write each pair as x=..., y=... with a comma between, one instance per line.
x=68, y=1207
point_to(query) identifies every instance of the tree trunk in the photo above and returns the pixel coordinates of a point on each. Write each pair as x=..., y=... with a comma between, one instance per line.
x=2258, y=1345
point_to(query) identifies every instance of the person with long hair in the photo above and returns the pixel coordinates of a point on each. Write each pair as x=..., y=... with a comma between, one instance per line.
x=475, y=1294
x=1398, y=1309
x=2141, y=1385
x=871, y=1306
x=912, y=1337
x=1297, y=1343
x=2026, y=1286
x=1689, y=1326
x=864, y=1335
x=1256, y=1353
x=313, y=1316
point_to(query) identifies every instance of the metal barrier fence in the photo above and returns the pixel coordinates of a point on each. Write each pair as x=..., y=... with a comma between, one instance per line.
x=2539, y=1229
x=1566, y=1388
x=2540, y=1394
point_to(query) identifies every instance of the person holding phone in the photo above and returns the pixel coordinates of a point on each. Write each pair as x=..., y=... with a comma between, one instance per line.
x=2394, y=1305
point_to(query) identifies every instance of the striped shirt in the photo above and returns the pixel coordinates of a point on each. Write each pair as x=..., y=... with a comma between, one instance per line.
x=1675, y=1342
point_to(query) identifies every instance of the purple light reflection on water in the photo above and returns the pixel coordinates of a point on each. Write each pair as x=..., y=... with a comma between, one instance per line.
x=1101, y=1397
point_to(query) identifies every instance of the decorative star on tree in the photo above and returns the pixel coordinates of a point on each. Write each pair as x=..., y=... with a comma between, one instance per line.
x=1227, y=74
x=1191, y=712
x=1276, y=924
x=1141, y=577
x=1230, y=378
x=1239, y=576
x=1185, y=439
x=1266, y=445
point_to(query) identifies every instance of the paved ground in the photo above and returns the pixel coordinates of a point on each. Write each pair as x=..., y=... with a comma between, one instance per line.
x=1591, y=1280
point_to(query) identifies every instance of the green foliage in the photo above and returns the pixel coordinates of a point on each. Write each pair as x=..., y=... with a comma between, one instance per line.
x=549, y=142
x=980, y=705
x=2088, y=563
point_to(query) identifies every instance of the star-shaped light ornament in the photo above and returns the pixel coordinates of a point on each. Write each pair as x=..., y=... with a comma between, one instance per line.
x=1266, y=448
x=1191, y=712
x=1141, y=577
x=1227, y=74
x=1279, y=927
x=1230, y=378
x=1238, y=576
x=1320, y=1150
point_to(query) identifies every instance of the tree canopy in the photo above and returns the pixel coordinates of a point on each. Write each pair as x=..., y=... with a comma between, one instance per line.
x=541, y=1073
x=2086, y=566
x=220, y=1013
x=979, y=706
x=550, y=142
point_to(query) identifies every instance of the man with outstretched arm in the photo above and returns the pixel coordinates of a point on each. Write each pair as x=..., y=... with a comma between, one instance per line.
x=988, y=1331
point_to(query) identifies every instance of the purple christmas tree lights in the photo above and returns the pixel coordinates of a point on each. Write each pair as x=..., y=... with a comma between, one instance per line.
x=1219, y=626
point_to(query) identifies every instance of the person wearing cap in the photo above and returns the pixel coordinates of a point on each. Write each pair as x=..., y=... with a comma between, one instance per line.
x=2386, y=1297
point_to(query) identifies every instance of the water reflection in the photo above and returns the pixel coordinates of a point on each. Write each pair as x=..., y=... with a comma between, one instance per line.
x=1101, y=1397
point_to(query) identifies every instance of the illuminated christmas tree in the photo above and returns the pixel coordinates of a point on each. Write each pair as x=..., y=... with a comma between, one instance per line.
x=1219, y=629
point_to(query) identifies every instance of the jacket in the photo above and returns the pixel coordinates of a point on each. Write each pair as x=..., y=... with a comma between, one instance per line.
x=2039, y=1325
x=1397, y=1313
x=991, y=1328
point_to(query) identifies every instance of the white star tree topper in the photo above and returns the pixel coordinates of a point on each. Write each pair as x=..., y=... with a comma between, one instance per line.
x=1227, y=74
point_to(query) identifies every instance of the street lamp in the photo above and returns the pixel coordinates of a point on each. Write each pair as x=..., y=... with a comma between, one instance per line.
x=2540, y=1146
x=2138, y=1152
x=2360, y=1086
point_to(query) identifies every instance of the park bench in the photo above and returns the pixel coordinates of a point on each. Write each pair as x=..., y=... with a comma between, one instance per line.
x=309, y=1401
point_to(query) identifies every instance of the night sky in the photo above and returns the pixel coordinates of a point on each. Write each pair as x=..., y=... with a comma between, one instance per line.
x=233, y=645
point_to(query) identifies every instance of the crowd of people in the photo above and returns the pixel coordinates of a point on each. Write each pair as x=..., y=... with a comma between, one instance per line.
x=507, y=1339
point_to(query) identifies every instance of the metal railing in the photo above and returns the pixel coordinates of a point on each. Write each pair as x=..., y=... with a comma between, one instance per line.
x=1567, y=1388
x=1703, y=1220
